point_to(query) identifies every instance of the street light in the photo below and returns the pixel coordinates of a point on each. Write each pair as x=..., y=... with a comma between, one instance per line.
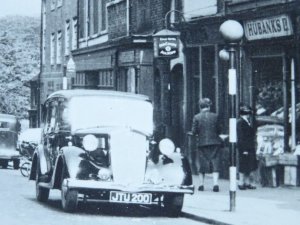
x=232, y=32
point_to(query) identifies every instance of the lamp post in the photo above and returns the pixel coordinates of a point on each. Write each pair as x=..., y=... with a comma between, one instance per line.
x=232, y=32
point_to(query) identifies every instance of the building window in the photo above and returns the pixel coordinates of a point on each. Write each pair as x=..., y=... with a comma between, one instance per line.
x=82, y=18
x=59, y=47
x=53, y=4
x=67, y=37
x=92, y=17
x=58, y=86
x=74, y=34
x=50, y=86
x=52, y=49
x=103, y=15
x=59, y=3
x=106, y=79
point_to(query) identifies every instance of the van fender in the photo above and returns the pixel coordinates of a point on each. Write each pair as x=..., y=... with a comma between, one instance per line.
x=38, y=159
x=66, y=165
x=172, y=170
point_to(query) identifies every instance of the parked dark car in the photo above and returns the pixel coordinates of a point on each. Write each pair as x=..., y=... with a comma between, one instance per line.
x=97, y=145
x=9, y=129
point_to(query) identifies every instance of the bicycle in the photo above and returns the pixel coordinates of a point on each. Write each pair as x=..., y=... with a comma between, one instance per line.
x=26, y=151
x=25, y=166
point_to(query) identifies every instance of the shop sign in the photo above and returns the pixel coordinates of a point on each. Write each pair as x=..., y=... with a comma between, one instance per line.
x=166, y=44
x=277, y=26
x=126, y=56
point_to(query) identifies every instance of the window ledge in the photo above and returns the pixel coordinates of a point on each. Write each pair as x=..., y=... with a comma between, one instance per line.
x=113, y=2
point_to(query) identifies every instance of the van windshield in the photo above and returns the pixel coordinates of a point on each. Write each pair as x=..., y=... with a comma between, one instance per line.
x=91, y=111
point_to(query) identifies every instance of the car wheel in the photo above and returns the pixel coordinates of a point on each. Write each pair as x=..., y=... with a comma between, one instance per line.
x=42, y=193
x=4, y=164
x=16, y=163
x=69, y=199
x=173, y=204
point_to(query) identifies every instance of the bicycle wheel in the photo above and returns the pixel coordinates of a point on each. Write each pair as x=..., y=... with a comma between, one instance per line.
x=25, y=169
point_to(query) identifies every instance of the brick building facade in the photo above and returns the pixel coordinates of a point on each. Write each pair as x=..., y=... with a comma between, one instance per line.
x=108, y=44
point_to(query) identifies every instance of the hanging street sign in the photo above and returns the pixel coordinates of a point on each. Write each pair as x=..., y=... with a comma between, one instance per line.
x=166, y=44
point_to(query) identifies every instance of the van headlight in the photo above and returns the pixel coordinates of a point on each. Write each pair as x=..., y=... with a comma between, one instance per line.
x=90, y=142
x=166, y=146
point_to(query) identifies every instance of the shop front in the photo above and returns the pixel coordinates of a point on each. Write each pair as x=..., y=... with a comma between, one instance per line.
x=94, y=69
x=268, y=66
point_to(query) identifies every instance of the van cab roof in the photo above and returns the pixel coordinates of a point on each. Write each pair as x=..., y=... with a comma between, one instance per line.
x=83, y=92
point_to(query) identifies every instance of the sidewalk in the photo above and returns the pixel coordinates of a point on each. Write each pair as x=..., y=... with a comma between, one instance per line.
x=263, y=206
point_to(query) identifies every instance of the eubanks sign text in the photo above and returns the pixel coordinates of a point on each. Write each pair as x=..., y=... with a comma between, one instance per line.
x=268, y=27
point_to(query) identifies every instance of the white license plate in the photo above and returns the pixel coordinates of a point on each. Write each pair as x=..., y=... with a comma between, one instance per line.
x=135, y=198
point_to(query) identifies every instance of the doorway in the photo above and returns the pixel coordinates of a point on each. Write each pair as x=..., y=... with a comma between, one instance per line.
x=176, y=105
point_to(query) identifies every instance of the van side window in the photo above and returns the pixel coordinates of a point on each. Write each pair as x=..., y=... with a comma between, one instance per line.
x=62, y=116
x=51, y=117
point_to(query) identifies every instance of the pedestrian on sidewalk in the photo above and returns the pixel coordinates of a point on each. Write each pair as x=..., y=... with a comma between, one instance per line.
x=208, y=156
x=246, y=148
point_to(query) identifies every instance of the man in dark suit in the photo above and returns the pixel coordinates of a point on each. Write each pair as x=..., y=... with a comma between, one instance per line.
x=246, y=148
x=207, y=128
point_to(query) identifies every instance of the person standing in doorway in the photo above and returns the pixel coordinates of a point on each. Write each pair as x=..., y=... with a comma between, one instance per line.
x=208, y=156
x=246, y=148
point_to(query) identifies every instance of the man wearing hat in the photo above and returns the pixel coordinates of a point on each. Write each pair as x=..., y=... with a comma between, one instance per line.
x=208, y=157
x=246, y=148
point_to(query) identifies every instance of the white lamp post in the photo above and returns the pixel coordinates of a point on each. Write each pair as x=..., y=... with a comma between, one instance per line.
x=232, y=31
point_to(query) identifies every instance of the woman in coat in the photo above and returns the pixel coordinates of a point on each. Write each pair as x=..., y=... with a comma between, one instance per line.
x=246, y=148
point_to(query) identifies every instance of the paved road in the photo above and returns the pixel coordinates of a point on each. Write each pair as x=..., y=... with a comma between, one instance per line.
x=18, y=206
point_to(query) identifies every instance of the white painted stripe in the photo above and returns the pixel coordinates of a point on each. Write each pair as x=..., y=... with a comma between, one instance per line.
x=232, y=130
x=232, y=81
x=232, y=177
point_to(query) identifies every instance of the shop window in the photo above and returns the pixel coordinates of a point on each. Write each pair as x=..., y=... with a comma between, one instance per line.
x=58, y=47
x=269, y=85
x=79, y=79
x=87, y=80
x=106, y=79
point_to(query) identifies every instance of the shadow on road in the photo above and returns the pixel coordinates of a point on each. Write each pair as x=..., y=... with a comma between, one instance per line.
x=103, y=209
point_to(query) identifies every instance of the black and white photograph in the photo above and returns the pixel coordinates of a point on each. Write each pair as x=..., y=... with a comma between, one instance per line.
x=150, y=112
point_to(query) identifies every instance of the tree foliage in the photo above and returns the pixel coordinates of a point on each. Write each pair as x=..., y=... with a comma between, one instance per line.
x=19, y=62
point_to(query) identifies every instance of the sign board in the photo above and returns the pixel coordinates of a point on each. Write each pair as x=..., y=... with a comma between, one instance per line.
x=277, y=26
x=165, y=46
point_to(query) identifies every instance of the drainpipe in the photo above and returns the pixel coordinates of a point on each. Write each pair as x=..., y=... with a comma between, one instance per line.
x=127, y=17
x=41, y=67
x=293, y=106
x=285, y=105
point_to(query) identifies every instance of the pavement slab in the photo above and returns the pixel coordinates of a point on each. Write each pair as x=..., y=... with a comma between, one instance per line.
x=262, y=206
